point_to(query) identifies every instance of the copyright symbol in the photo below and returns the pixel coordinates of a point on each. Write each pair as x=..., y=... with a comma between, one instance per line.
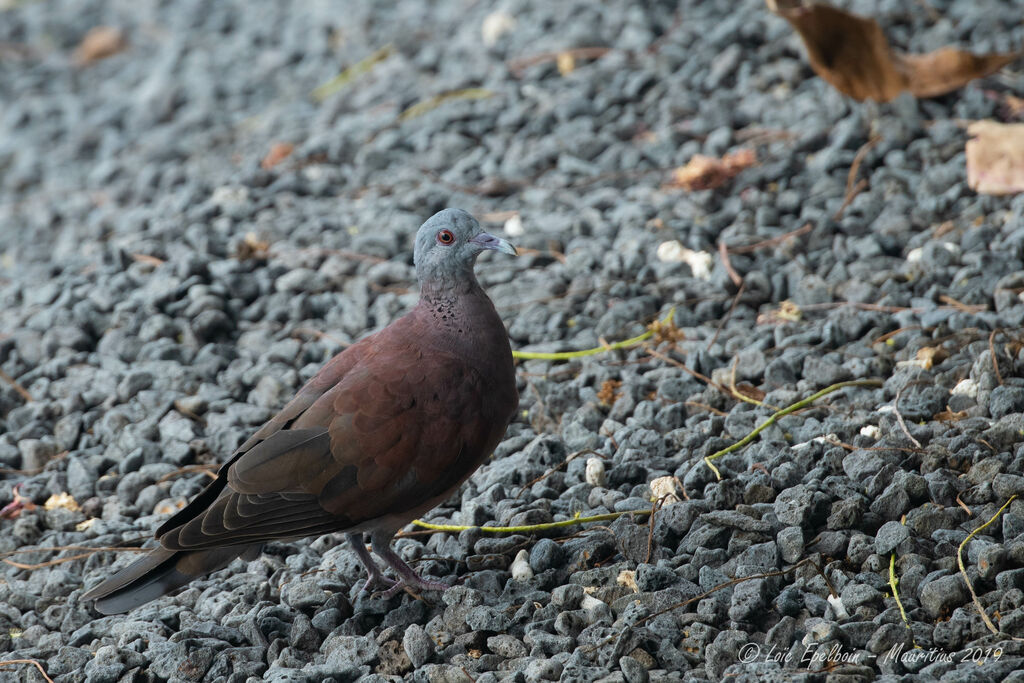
x=749, y=652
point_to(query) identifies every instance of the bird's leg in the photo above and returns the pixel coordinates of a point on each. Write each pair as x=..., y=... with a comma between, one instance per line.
x=374, y=572
x=381, y=544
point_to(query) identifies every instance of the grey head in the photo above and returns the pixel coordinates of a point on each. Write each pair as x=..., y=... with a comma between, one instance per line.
x=447, y=245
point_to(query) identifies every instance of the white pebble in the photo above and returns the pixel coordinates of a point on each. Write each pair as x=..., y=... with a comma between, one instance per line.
x=521, y=570
x=700, y=262
x=871, y=431
x=838, y=607
x=665, y=489
x=514, y=226
x=595, y=472
x=495, y=25
x=966, y=387
x=589, y=602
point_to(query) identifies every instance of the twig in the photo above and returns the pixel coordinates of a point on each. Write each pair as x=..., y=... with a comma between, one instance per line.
x=33, y=662
x=992, y=353
x=963, y=570
x=89, y=548
x=705, y=406
x=723, y=252
x=728, y=315
x=771, y=242
x=568, y=355
x=17, y=387
x=850, y=196
x=964, y=506
x=650, y=526
x=205, y=469
x=530, y=528
x=358, y=69
x=774, y=417
x=899, y=418
x=556, y=468
x=857, y=160
x=721, y=586
x=961, y=306
x=517, y=66
x=893, y=583
x=889, y=335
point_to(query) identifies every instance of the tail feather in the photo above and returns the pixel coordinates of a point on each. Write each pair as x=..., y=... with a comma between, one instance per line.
x=157, y=574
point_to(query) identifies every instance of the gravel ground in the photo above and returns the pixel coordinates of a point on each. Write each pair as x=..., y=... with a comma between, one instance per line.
x=161, y=295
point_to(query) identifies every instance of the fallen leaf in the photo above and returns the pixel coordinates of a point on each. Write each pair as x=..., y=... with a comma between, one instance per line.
x=99, y=43
x=251, y=247
x=930, y=356
x=61, y=500
x=279, y=151
x=1014, y=106
x=20, y=502
x=608, y=394
x=707, y=173
x=995, y=157
x=750, y=391
x=787, y=312
x=627, y=578
x=566, y=63
x=85, y=524
x=948, y=415
x=852, y=54
x=665, y=489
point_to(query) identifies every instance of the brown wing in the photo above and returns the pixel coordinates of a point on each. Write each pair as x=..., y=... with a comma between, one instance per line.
x=395, y=432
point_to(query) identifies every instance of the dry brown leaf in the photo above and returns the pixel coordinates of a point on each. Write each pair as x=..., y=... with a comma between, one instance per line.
x=99, y=43
x=787, y=312
x=750, y=391
x=948, y=415
x=252, y=247
x=930, y=356
x=279, y=151
x=608, y=394
x=61, y=500
x=706, y=173
x=1014, y=106
x=566, y=63
x=851, y=53
x=995, y=157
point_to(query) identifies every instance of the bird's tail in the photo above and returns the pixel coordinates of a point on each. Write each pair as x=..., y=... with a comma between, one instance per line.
x=157, y=574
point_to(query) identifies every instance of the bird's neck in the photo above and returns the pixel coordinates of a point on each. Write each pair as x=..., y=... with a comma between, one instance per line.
x=460, y=312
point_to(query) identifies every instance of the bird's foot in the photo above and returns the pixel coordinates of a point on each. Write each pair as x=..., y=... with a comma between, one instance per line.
x=419, y=584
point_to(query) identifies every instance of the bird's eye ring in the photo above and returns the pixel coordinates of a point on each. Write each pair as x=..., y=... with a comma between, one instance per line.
x=445, y=237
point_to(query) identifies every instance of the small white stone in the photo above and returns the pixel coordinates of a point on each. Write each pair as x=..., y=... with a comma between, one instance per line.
x=521, y=570
x=838, y=607
x=627, y=578
x=871, y=431
x=495, y=25
x=514, y=226
x=914, y=255
x=589, y=602
x=595, y=472
x=966, y=387
x=665, y=489
x=700, y=262
x=227, y=195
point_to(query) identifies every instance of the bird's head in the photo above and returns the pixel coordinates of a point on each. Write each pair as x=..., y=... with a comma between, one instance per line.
x=447, y=246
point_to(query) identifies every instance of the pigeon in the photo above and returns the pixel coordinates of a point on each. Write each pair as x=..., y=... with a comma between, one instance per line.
x=384, y=432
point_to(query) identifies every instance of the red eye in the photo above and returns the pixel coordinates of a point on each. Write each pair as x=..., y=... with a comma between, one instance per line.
x=445, y=237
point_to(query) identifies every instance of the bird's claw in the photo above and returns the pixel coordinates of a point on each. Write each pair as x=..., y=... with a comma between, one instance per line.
x=419, y=584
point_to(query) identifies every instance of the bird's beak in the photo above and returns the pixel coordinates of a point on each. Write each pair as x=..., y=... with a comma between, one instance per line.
x=488, y=241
